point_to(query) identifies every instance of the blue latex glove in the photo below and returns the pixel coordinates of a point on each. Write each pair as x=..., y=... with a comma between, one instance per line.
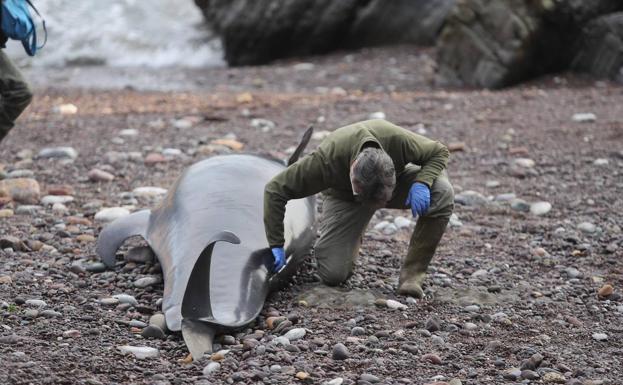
x=280, y=258
x=418, y=199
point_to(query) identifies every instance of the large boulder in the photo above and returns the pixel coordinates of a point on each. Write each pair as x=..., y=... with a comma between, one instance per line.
x=495, y=43
x=258, y=31
x=601, y=48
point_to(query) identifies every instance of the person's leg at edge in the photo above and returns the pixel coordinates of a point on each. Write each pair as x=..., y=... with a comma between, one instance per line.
x=341, y=229
x=428, y=231
x=15, y=94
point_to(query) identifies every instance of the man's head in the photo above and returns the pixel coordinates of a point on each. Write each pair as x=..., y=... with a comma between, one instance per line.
x=373, y=177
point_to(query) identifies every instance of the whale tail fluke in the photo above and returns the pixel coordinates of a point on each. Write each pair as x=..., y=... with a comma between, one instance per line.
x=113, y=235
x=301, y=147
x=198, y=336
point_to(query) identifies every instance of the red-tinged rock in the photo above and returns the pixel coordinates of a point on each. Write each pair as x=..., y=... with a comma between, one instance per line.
x=154, y=158
x=61, y=190
x=233, y=144
x=456, y=146
x=518, y=151
x=605, y=291
x=432, y=358
x=78, y=221
x=97, y=175
x=22, y=190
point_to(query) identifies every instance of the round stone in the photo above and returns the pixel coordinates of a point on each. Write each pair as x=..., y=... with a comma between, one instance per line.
x=340, y=352
x=153, y=331
x=540, y=208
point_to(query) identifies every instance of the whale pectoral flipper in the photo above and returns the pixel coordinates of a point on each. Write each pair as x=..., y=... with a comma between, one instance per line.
x=198, y=337
x=196, y=303
x=113, y=235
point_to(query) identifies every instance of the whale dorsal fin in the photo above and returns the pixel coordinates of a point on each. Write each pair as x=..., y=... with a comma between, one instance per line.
x=299, y=149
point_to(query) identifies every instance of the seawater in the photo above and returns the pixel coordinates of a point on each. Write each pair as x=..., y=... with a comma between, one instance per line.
x=122, y=33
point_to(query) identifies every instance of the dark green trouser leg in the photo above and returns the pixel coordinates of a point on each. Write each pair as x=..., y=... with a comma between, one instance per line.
x=341, y=229
x=428, y=230
x=15, y=94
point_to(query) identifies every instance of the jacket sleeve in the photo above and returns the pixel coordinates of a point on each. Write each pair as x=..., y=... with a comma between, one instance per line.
x=431, y=155
x=306, y=177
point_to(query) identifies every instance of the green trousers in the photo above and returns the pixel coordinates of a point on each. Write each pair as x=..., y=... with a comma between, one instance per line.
x=15, y=94
x=343, y=224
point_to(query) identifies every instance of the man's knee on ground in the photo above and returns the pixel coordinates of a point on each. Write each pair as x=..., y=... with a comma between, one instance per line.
x=334, y=278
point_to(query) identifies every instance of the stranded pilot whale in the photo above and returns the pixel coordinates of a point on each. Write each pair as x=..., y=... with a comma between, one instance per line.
x=208, y=235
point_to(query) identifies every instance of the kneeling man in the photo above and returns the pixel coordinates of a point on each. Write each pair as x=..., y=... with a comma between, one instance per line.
x=361, y=168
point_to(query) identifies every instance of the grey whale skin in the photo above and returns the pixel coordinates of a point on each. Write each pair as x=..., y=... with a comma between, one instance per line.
x=208, y=235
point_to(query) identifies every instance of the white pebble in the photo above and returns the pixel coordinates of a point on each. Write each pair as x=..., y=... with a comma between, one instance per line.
x=540, y=208
x=601, y=162
x=128, y=132
x=600, y=336
x=211, y=368
x=111, y=213
x=295, y=334
x=584, y=117
x=377, y=115
x=140, y=352
x=392, y=304
x=149, y=191
x=50, y=200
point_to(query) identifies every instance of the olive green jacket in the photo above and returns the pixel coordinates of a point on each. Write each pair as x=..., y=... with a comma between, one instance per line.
x=328, y=167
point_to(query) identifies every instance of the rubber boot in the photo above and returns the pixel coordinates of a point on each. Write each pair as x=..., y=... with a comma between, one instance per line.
x=424, y=241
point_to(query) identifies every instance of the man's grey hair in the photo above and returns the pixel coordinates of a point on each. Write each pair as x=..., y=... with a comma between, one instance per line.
x=373, y=176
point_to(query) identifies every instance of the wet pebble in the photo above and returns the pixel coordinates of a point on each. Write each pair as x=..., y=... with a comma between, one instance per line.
x=71, y=333
x=140, y=352
x=512, y=374
x=529, y=375
x=554, y=378
x=540, y=208
x=211, y=368
x=38, y=303
x=600, y=336
x=126, y=298
x=587, y=227
x=471, y=198
x=584, y=117
x=395, y=305
x=58, y=153
x=141, y=254
x=520, y=205
x=159, y=320
x=95, y=267
x=524, y=162
x=340, y=352
x=149, y=191
x=109, y=301
x=97, y=175
x=295, y=334
x=369, y=378
x=147, y=281
x=432, y=358
x=605, y=291
x=153, y=331
x=433, y=324
x=21, y=190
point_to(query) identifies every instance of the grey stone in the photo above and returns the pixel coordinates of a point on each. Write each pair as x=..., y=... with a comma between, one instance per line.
x=540, y=208
x=211, y=368
x=153, y=331
x=95, y=267
x=369, y=378
x=140, y=352
x=58, y=153
x=147, y=281
x=340, y=352
x=587, y=227
x=158, y=320
x=142, y=254
x=471, y=198
x=295, y=334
